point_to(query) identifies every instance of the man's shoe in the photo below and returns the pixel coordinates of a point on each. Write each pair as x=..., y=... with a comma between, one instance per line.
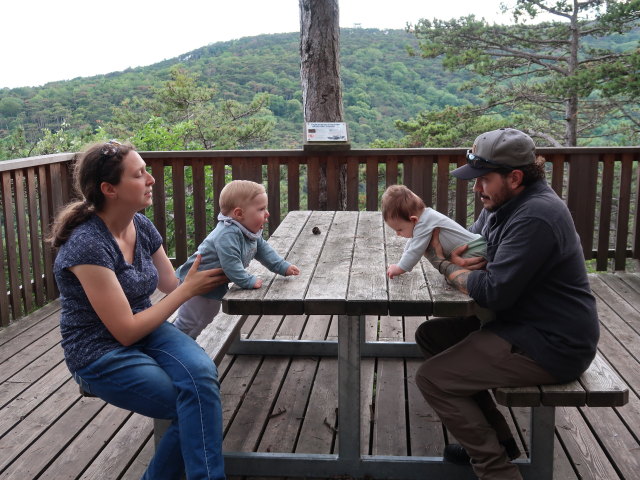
x=511, y=447
x=455, y=453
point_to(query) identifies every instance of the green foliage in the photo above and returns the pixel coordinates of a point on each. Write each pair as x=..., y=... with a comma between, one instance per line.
x=11, y=106
x=569, y=75
x=186, y=116
x=155, y=135
x=450, y=127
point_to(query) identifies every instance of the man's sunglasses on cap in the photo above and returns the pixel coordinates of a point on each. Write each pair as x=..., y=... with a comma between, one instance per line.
x=478, y=162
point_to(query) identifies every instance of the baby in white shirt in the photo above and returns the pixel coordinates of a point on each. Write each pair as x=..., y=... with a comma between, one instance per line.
x=408, y=216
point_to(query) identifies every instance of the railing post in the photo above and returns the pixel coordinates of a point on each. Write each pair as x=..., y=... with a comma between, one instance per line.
x=581, y=197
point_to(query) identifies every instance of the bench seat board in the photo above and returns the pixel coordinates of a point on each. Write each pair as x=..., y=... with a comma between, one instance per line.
x=599, y=386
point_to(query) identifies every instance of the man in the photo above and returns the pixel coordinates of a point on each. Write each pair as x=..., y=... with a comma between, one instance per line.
x=546, y=327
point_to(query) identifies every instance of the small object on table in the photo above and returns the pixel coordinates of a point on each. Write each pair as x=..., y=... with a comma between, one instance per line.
x=316, y=231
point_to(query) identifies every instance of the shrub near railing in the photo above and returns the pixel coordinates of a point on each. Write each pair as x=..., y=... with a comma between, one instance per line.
x=600, y=186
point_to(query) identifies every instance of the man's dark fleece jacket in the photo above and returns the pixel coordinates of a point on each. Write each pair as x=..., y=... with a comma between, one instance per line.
x=536, y=282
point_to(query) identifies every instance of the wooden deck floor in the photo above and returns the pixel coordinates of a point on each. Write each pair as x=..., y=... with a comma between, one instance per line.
x=48, y=431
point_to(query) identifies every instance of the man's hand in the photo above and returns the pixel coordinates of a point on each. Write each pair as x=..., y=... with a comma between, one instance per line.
x=454, y=274
x=470, y=263
x=394, y=271
x=258, y=283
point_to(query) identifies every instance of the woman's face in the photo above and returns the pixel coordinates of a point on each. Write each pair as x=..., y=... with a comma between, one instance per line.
x=136, y=183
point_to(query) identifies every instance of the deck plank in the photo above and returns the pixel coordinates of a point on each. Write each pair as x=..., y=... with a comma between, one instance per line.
x=87, y=444
x=29, y=374
x=319, y=427
x=35, y=396
x=587, y=455
x=123, y=447
x=37, y=344
x=390, y=431
x=283, y=424
x=244, y=432
x=50, y=444
x=426, y=433
x=20, y=328
x=34, y=424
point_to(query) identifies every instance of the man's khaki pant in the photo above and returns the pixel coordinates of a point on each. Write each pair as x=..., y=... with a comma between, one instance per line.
x=462, y=364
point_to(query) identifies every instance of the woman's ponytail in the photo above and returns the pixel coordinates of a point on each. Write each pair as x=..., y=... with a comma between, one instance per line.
x=72, y=215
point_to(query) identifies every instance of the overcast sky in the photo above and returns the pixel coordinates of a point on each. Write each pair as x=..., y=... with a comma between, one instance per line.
x=45, y=40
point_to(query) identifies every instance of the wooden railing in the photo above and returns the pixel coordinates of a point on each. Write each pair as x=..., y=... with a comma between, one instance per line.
x=600, y=186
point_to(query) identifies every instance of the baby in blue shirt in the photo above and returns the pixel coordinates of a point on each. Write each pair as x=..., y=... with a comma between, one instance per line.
x=235, y=241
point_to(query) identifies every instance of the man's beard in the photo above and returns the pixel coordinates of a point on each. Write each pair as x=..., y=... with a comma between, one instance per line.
x=500, y=199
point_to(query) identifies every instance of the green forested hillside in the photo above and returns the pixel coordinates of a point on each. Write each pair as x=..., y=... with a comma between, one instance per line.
x=382, y=84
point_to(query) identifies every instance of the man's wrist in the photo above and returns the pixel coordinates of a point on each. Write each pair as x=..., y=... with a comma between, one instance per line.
x=450, y=268
x=442, y=266
x=435, y=262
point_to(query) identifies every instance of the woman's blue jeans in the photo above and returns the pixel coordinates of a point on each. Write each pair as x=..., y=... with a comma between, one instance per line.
x=166, y=375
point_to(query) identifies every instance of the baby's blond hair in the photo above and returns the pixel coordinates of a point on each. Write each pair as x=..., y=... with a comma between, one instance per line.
x=238, y=193
x=400, y=202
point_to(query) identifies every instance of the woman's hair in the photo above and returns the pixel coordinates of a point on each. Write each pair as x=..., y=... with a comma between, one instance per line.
x=238, y=193
x=101, y=162
x=401, y=203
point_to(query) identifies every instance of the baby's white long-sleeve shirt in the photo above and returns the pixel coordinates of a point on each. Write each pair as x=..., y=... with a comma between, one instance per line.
x=452, y=235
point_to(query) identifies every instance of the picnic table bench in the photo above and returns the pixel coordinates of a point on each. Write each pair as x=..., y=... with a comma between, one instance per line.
x=599, y=386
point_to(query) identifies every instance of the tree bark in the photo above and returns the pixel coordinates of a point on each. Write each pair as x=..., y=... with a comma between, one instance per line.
x=320, y=76
x=320, y=61
x=571, y=103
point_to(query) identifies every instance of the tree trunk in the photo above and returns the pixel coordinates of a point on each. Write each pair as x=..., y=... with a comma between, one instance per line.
x=571, y=103
x=320, y=76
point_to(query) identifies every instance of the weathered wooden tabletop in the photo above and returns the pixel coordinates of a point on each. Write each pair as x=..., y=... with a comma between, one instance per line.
x=343, y=271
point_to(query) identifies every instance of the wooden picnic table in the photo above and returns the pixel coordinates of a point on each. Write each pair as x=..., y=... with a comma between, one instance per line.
x=343, y=258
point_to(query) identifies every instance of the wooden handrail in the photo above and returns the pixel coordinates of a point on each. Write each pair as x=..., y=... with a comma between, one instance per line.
x=600, y=186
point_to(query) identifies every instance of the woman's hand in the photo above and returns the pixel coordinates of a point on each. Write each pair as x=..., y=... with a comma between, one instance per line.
x=200, y=282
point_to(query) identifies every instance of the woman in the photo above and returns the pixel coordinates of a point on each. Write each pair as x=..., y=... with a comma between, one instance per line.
x=116, y=344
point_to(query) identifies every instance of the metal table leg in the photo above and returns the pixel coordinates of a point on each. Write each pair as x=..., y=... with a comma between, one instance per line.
x=350, y=331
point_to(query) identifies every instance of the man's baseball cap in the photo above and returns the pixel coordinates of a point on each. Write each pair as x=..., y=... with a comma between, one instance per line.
x=503, y=148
